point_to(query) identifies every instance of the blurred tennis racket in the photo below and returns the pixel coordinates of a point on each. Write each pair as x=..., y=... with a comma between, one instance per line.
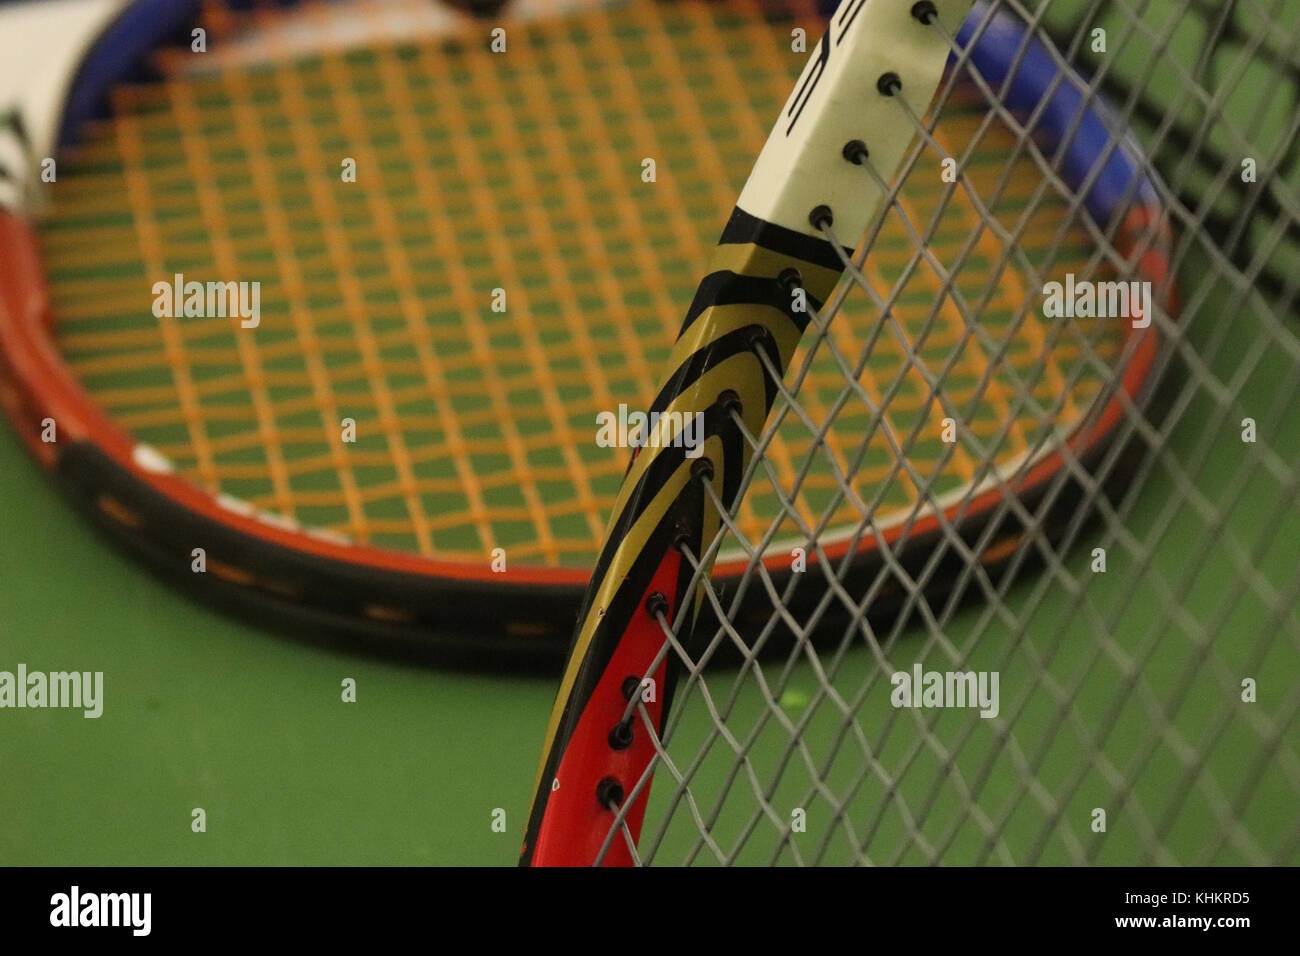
x=498, y=275
x=477, y=171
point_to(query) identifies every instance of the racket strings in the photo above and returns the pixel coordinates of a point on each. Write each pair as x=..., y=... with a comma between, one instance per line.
x=473, y=426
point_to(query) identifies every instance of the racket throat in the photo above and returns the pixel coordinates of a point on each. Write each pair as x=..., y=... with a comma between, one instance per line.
x=596, y=799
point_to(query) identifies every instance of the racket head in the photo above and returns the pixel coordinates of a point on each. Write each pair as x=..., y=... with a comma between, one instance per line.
x=327, y=579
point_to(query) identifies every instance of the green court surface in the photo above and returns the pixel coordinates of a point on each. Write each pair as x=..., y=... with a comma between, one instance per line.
x=203, y=711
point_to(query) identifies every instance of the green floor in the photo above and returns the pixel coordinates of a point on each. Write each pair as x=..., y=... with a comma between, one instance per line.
x=205, y=712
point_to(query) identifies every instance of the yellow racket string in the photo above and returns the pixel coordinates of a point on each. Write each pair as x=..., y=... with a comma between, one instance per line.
x=516, y=179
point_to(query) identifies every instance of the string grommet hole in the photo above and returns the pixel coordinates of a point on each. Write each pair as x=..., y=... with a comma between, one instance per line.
x=730, y=402
x=855, y=151
x=656, y=604
x=620, y=736
x=610, y=794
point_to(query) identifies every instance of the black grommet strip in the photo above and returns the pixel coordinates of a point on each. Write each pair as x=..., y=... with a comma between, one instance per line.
x=889, y=84
x=821, y=216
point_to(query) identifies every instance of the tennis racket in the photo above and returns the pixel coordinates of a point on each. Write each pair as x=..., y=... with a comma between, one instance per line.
x=462, y=513
x=865, y=134
x=402, y=454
